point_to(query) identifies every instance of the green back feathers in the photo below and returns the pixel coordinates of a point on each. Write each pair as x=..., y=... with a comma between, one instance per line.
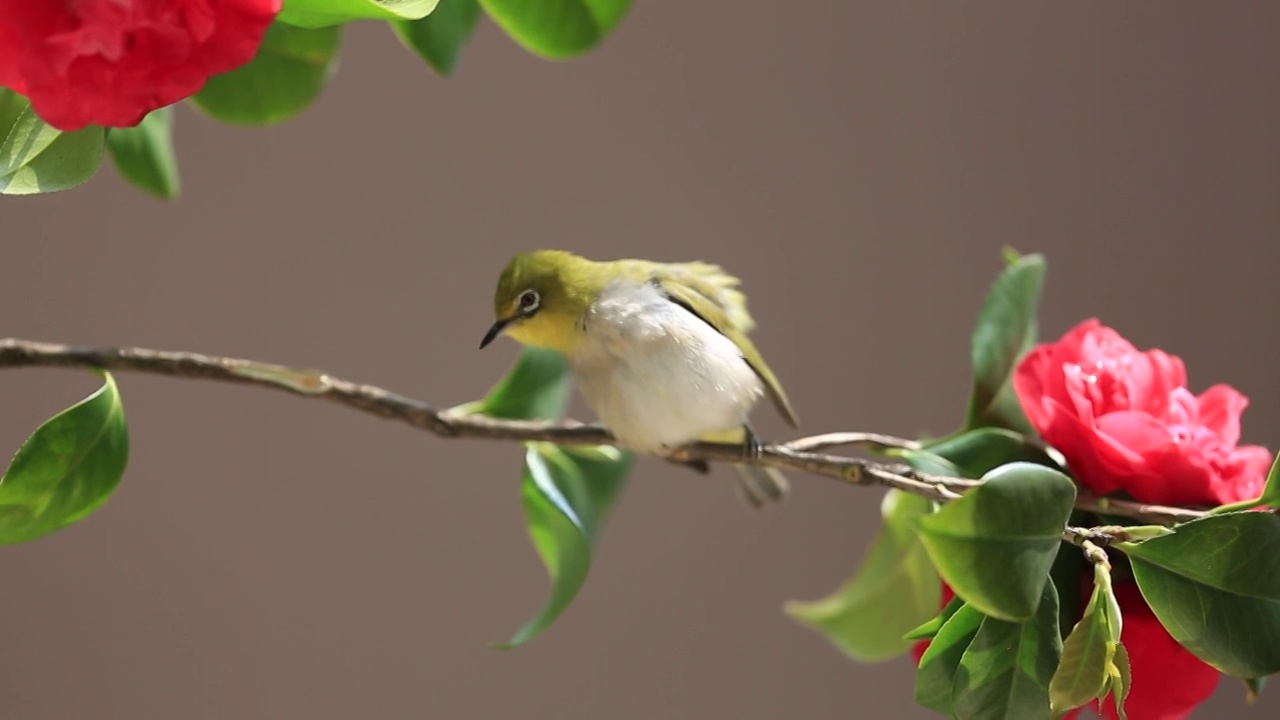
x=710, y=293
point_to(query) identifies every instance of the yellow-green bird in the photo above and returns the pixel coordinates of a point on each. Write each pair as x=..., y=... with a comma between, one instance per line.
x=659, y=351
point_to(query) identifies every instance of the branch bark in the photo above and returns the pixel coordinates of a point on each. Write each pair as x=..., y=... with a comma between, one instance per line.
x=802, y=455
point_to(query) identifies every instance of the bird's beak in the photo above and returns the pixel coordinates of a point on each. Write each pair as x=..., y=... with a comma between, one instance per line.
x=495, y=330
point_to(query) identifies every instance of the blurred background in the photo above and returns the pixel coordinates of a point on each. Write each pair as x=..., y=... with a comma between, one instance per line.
x=859, y=165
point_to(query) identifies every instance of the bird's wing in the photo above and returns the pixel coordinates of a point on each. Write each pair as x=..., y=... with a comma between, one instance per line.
x=713, y=296
x=717, y=286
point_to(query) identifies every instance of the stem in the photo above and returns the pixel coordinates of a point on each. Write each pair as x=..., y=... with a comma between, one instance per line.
x=1232, y=507
x=801, y=455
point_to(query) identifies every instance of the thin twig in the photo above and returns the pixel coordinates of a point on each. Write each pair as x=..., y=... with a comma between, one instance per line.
x=801, y=455
x=1158, y=514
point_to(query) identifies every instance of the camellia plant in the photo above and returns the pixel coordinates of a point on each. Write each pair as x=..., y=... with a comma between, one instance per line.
x=81, y=81
x=1094, y=535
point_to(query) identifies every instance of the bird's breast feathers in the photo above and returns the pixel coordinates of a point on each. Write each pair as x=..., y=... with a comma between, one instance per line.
x=656, y=374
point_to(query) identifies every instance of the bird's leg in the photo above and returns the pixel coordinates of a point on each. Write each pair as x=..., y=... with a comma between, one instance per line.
x=751, y=445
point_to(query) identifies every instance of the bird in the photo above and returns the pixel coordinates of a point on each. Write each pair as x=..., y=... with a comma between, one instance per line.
x=659, y=351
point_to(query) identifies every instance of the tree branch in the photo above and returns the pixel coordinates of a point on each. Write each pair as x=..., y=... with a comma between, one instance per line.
x=802, y=455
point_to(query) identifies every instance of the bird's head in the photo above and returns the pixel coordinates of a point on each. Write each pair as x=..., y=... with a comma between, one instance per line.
x=540, y=297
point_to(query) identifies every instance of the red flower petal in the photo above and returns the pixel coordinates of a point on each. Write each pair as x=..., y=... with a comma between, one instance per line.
x=110, y=62
x=1220, y=410
x=1125, y=421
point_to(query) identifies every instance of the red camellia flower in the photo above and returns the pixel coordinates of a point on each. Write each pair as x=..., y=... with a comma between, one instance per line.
x=1125, y=420
x=110, y=62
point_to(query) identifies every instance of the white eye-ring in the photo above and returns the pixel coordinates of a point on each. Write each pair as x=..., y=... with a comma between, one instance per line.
x=529, y=301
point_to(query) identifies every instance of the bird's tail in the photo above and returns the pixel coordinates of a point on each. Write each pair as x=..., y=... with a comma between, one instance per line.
x=760, y=485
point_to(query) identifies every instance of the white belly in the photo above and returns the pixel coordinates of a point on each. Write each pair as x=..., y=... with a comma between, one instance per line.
x=658, y=376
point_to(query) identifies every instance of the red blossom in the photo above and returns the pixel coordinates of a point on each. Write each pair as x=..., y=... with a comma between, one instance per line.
x=110, y=62
x=1125, y=420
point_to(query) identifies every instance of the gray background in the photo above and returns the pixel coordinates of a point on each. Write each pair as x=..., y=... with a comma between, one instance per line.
x=860, y=165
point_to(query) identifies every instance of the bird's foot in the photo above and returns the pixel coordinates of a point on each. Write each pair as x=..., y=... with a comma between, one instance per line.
x=669, y=453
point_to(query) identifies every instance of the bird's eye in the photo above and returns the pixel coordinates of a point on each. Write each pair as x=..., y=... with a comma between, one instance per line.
x=529, y=300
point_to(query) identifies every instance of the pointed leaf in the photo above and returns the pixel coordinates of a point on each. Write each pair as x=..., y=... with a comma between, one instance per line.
x=439, y=37
x=567, y=492
x=143, y=155
x=1215, y=586
x=1253, y=689
x=1006, y=670
x=36, y=157
x=895, y=590
x=1271, y=491
x=66, y=469
x=1068, y=575
x=1086, y=654
x=941, y=660
x=1006, y=329
x=927, y=462
x=536, y=388
x=283, y=79
x=1006, y=411
x=567, y=495
x=23, y=135
x=930, y=628
x=996, y=545
x=979, y=451
x=325, y=13
x=557, y=29
x=1120, y=681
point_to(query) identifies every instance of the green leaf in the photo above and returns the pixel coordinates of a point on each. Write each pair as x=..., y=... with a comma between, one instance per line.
x=930, y=628
x=1215, y=586
x=1253, y=689
x=1006, y=670
x=567, y=492
x=1120, y=681
x=556, y=29
x=36, y=157
x=996, y=545
x=941, y=660
x=66, y=469
x=1088, y=653
x=978, y=451
x=23, y=135
x=1006, y=411
x=927, y=462
x=536, y=388
x=283, y=79
x=894, y=591
x=439, y=37
x=1006, y=329
x=567, y=495
x=1067, y=574
x=325, y=13
x=143, y=155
